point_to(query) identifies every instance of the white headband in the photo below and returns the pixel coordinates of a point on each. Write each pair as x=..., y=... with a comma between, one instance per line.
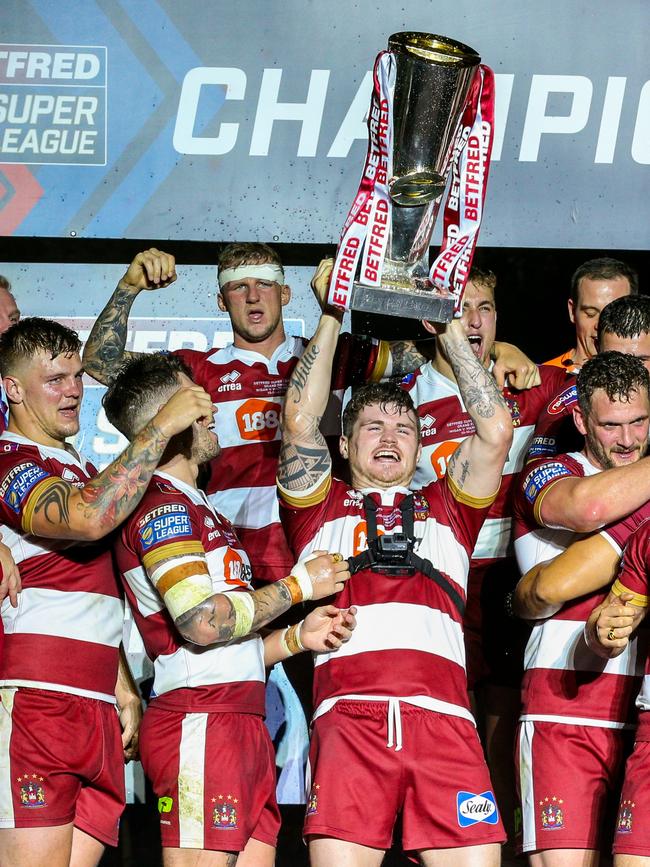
x=268, y=271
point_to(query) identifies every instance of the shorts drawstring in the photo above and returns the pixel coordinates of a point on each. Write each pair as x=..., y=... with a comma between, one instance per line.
x=394, y=725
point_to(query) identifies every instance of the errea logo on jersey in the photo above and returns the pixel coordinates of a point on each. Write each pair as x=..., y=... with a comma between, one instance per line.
x=427, y=425
x=229, y=381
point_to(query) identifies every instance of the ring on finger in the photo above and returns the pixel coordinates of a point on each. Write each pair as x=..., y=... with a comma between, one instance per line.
x=611, y=636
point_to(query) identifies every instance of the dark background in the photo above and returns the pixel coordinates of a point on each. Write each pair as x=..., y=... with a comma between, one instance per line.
x=532, y=288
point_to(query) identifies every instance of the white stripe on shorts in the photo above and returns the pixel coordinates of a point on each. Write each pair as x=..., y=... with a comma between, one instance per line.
x=191, y=775
x=7, y=695
x=526, y=735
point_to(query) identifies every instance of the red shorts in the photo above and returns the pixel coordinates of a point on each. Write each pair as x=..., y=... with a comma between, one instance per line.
x=438, y=780
x=631, y=831
x=214, y=776
x=569, y=778
x=61, y=761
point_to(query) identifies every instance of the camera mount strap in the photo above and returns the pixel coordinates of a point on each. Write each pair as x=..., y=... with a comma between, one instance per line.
x=367, y=559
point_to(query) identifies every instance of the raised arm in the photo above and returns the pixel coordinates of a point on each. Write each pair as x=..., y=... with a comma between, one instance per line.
x=104, y=353
x=304, y=455
x=586, y=566
x=477, y=463
x=585, y=504
x=57, y=509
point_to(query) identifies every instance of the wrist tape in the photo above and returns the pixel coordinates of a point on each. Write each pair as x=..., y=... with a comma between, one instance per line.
x=244, y=608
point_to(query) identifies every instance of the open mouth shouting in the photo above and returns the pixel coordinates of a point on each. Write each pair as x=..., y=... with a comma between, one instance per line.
x=476, y=342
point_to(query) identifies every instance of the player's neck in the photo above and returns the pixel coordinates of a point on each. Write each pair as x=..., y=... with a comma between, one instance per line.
x=181, y=468
x=579, y=356
x=34, y=432
x=262, y=347
x=440, y=363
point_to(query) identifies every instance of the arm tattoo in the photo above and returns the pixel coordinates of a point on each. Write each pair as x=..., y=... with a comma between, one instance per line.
x=269, y=603
x=114, y=493
x=304, y=459
x=477, y=386
x=54, y=504
x=110, y=497
x=461, y=477
x=405, y=357
x=300, y=375
x=104, y=353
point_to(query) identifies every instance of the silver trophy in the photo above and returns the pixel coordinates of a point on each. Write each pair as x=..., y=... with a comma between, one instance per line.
x=433, y=77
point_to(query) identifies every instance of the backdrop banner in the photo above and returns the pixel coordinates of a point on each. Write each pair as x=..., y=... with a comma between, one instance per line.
x=156, y=119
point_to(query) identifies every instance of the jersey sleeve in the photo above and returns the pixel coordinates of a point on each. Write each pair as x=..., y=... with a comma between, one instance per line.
x=167, y=541
x=466, y=514
x=555, y=432
x=535, y=482
x=22, y=484
x=303, y=520
x=617, y=534
x=633, y=574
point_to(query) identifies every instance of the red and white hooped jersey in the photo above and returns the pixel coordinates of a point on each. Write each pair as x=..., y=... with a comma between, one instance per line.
x=176, y=520
x=66, y=631
x=564, y=680
x=408, y=642
x=248, y=390
x=629, y=538
x=445, y=423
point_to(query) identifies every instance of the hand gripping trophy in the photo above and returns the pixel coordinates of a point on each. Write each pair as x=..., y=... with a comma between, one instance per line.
x=431, y=115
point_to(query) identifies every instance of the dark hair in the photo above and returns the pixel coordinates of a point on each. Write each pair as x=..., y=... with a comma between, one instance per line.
x=4, y=283
x=386, y=394
x=628, y=316
x=144, y=381
x=33, y=334
x=603, y=269
x=616, y=373
x=483, y=277
x=247, y=253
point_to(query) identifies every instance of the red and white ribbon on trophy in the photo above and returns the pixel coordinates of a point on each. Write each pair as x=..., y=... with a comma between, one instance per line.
x=466, y=197
x=367, y=227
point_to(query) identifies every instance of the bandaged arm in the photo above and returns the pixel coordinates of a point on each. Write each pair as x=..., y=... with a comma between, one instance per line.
x=205, y=617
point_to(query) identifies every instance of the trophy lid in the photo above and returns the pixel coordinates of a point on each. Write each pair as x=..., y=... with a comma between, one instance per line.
x=436, y=49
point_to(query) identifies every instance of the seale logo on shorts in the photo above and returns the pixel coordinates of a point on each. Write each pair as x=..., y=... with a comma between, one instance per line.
x=472, y=809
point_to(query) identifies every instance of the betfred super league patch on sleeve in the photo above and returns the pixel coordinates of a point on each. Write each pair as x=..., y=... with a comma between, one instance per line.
x=18, y=482
x=541, y=476
x=164, y=524
x=472, y=809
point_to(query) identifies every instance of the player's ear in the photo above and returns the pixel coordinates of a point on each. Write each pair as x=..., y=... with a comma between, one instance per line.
x=343, y=446
x=572, y=311
x=579, y=420
x=13, y=389
x=285, y=294
x=221, y=304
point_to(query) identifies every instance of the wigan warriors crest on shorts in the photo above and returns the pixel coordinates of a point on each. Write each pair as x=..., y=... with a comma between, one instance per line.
x=32, y=793
x=224, y=815
x=552, y=815
x=624, y=822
